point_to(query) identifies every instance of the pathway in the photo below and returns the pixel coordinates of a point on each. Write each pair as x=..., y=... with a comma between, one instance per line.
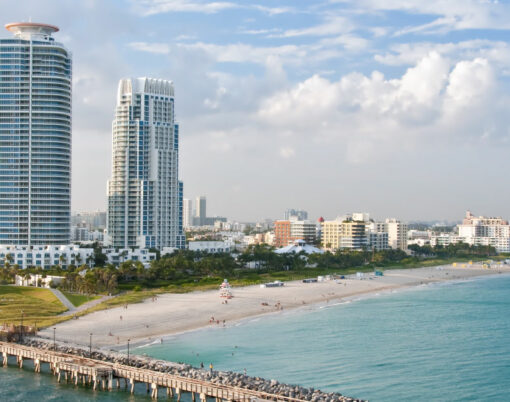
x=64, y=300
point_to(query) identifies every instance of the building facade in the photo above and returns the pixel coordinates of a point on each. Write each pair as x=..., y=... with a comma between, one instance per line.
x=187, y=213
x=144, y=193
x=35, y=137
x=210, y=246
x=46, y=256
x=200, y=211
x=296, y=214
x=288, y=231
x=478, y=231
x=397, y=233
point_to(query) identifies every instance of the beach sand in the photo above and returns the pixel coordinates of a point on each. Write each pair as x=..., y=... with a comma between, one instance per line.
x=176, y=313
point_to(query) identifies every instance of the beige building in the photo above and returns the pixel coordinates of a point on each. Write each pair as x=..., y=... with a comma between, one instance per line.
x=331, y=232
x=397, y=233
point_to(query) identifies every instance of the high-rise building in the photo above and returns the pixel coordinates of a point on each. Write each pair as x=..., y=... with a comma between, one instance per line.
x=144, y=193
x=200, y=211
x=187, y=213
x=35, y=137
x=397, y=233
x=295, y=214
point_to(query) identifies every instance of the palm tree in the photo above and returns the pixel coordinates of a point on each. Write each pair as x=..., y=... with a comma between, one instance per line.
x=62, y=259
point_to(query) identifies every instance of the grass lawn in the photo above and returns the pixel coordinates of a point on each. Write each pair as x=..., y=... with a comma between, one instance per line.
x=39, y=306
x=78, y=299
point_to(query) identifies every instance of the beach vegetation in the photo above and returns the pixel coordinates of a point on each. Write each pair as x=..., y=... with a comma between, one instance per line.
x=36, y=306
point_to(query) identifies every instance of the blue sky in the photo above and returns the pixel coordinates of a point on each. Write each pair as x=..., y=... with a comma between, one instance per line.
x=396, y=107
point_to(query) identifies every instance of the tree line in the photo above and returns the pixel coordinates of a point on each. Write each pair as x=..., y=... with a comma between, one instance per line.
x=195, y=265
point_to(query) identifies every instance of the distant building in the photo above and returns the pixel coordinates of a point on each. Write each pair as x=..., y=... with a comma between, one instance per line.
x=397, y=233
x=355, y=232
x=478, y=231
x=187, y=213
x=92, y=220
x=295, y=214
x=82, y=234
x=210, y=246
x=287, y=231
x=118, y=256
x=200, y=211
x=38, y=280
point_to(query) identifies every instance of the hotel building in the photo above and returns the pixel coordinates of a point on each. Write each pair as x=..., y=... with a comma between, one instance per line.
x=35, y=137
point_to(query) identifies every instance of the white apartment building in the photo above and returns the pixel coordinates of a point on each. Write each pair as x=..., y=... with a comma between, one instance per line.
x=303, y=230
x=118, y=256
x=187, y=213
x=356, y=231
x=478, y=231
x=144, y=192
x=397, y=233
x=35, y=134
x=210, y=246
x=37, y=280
x=46, y=256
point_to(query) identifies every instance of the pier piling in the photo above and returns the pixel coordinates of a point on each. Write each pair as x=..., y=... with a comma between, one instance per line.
x=101, y=373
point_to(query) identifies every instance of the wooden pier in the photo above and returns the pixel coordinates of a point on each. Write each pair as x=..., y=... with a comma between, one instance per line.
x=106, y=375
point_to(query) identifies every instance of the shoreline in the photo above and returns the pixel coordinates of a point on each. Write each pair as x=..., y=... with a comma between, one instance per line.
x=176, y=314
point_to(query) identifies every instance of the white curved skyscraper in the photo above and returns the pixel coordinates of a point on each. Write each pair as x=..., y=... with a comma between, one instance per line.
x=35, y=137
x=144, y=193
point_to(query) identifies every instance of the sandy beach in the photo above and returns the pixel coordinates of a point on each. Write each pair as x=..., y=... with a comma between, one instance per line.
x=175, y=313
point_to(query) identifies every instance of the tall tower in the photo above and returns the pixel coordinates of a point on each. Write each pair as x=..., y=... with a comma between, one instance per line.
x=144, y=193
x=200, y=210
x=35, y=137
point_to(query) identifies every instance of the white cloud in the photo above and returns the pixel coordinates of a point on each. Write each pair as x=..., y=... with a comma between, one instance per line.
x=157, y=48
x=287, y=152
x=331, y=26
x=369, y=116
x=151, y=7
x=451, y=15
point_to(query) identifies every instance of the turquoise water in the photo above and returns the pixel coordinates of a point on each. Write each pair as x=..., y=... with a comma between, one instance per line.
x=448, y=342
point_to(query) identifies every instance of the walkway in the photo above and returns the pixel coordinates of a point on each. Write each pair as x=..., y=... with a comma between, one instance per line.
x=64, y=300
x=71, y=309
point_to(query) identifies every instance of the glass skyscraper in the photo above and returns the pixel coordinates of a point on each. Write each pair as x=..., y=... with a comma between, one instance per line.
x=35, y=137
x=144, y=193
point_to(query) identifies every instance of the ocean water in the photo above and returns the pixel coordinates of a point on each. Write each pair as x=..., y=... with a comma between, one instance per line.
x=447, y=342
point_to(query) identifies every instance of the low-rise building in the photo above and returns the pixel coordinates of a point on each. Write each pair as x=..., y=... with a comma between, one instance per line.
x=38, y=280
x=46, y=256
x=118, y=256
x=210, y=246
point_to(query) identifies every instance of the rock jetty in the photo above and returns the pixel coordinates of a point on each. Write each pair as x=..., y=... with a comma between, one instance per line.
x=185, y=370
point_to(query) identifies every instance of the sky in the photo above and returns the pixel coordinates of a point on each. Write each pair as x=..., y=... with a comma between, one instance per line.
x=399, y=108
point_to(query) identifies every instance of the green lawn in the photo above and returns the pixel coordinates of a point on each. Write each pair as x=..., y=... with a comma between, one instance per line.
x=40, y=307
x=78, y=299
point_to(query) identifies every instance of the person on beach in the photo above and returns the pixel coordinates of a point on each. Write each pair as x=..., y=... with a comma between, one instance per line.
x=201, y=365
x=210, y=368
